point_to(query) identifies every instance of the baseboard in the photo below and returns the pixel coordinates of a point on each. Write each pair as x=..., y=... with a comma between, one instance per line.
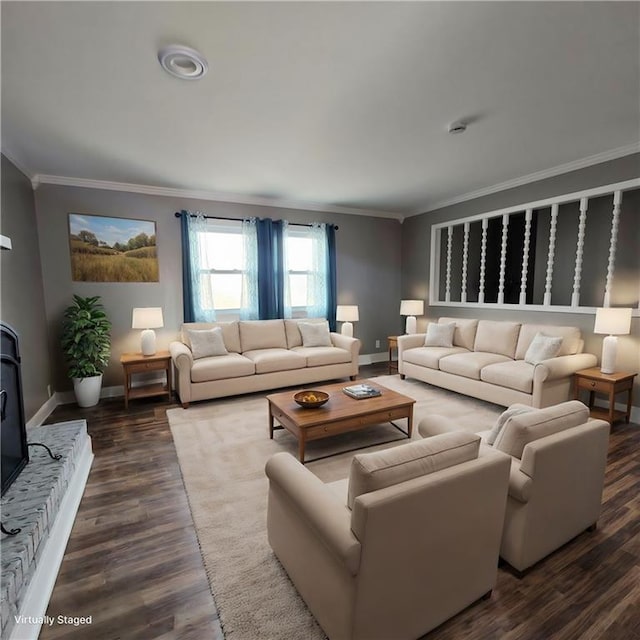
x=38, y=594
x=371, y=358
x=43, y=412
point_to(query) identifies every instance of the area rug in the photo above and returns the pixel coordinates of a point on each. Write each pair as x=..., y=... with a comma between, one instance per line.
x=223, y=446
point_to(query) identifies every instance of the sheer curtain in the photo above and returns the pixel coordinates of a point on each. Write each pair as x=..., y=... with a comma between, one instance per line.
x=200, y=263
x=317, y=290
x=249, y=305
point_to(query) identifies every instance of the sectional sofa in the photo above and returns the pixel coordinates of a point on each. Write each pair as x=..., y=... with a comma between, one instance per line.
x=487, y=360
x=259, y=355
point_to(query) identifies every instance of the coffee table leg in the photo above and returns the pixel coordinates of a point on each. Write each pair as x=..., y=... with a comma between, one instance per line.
x=301, y=444
x=410, y=421
x=270, y=422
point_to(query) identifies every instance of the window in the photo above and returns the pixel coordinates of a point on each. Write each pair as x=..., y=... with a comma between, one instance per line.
x=306, y=271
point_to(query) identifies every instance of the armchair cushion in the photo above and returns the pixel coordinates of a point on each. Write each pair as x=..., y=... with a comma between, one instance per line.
x=528, y=427
x=373, y=471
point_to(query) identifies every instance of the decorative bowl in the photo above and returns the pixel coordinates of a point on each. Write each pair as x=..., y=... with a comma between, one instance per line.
x=310, y=398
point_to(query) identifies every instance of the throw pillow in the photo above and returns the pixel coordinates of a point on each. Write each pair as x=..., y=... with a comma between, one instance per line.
x=542, y=348
x=207, y=342
x=513, y=410
x=439, y=335
x=315, y=334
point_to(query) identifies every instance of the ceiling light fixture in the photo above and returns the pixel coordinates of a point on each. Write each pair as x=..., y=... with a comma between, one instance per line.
x=183, y=62
x=457, y=127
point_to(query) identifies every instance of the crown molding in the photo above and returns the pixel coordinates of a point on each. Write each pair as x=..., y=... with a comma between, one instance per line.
x=215, y=196
x=589, y=161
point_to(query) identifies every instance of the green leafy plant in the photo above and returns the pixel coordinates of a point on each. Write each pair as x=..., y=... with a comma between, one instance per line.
x=86, y=342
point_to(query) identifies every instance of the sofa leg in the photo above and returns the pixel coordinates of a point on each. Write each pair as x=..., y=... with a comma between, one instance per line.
x=185, y=405
x=487, y=595
x=592, y=528
x=352, y=377
x=402, y=376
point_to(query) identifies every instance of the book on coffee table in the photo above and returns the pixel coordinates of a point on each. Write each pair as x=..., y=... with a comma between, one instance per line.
x=360, y=391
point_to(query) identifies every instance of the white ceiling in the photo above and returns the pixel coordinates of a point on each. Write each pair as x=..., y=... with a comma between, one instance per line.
x=337, y=104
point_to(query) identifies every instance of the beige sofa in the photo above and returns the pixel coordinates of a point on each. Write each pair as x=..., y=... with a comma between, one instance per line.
x=262, y=354
x=558, y=460
x=487, y=361
x=409, y=540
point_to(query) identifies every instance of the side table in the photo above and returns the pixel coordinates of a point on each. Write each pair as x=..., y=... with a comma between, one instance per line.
x=133, y=363
x=393, y=344
x=593, y=381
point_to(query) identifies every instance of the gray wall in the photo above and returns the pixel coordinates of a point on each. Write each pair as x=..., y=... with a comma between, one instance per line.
x=22, y=297
x=368, y=265
x=416, y=246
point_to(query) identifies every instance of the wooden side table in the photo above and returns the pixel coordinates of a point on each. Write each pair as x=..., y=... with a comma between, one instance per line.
x=393, y=344
x=133, y=363
x=594, y=381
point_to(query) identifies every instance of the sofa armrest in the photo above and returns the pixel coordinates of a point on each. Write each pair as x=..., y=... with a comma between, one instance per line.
x=519, y=482
x=347, y=343
x=182, y=361
x=410, y=341
x=563, y=366
x=322, y=510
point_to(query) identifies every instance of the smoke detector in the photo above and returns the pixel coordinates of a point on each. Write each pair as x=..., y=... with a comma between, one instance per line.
x=183, y=62
x=457, y=127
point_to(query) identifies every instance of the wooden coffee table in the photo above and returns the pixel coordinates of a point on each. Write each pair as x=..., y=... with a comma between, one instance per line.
x=340, y=415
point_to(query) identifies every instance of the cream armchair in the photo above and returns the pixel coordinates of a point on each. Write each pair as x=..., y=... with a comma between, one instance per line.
x=419, y=543
x=558, y=460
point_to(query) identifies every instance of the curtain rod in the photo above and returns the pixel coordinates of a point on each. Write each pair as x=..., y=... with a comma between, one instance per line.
x=178, y=214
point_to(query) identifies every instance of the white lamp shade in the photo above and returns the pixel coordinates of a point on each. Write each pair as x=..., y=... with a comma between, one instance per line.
x=347, y=313
x=613, y=321
x=147, y=318
x=411, y=307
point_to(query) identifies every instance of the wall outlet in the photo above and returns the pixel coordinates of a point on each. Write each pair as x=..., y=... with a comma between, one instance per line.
x=377, y=344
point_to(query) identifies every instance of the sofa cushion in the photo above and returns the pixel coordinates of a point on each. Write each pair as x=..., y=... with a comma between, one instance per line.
x=292, y=331
x=262, y=334
x=207, y=342
x=571, y=341
x=315, y=334
x=439, y=335
x=497, y=337
x=513, y=374
x=429, y=356
x=542, y=347
x=503, y=419
x=528, y=427
x=469, y=364
x=321, y=356
x=373, y=471
x=230, y=333
x=270, y=360
x=232, y=365
x=465, y=333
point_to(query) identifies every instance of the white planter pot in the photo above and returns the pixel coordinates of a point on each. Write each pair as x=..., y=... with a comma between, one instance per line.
x=87, y=390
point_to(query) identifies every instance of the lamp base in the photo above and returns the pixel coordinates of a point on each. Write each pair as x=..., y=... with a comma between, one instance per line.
x=609, y=353
x=411, y=325
x=347, y=329
x=148, y=342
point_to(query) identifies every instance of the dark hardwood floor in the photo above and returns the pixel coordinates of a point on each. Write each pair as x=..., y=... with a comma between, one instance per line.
x=134, y=565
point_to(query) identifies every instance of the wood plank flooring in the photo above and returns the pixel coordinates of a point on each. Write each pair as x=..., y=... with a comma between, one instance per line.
x=133, y=561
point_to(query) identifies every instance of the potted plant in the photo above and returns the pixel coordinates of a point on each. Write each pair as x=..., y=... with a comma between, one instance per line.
x=86, y=345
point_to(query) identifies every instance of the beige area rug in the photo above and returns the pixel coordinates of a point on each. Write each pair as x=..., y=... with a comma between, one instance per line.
x=222, y=447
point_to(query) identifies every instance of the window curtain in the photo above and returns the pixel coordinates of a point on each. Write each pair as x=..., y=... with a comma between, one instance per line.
x=317, y=291
x=249, y=302
x=332, y=285
x=270, y=269
x=196, y=286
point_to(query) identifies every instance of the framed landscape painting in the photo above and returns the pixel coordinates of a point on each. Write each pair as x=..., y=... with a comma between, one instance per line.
x=112, y=249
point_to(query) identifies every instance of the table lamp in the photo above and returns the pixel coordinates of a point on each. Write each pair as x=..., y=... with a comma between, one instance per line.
x=411, y=309
x=614, y=322
x=147, y=319
x=347, y=314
